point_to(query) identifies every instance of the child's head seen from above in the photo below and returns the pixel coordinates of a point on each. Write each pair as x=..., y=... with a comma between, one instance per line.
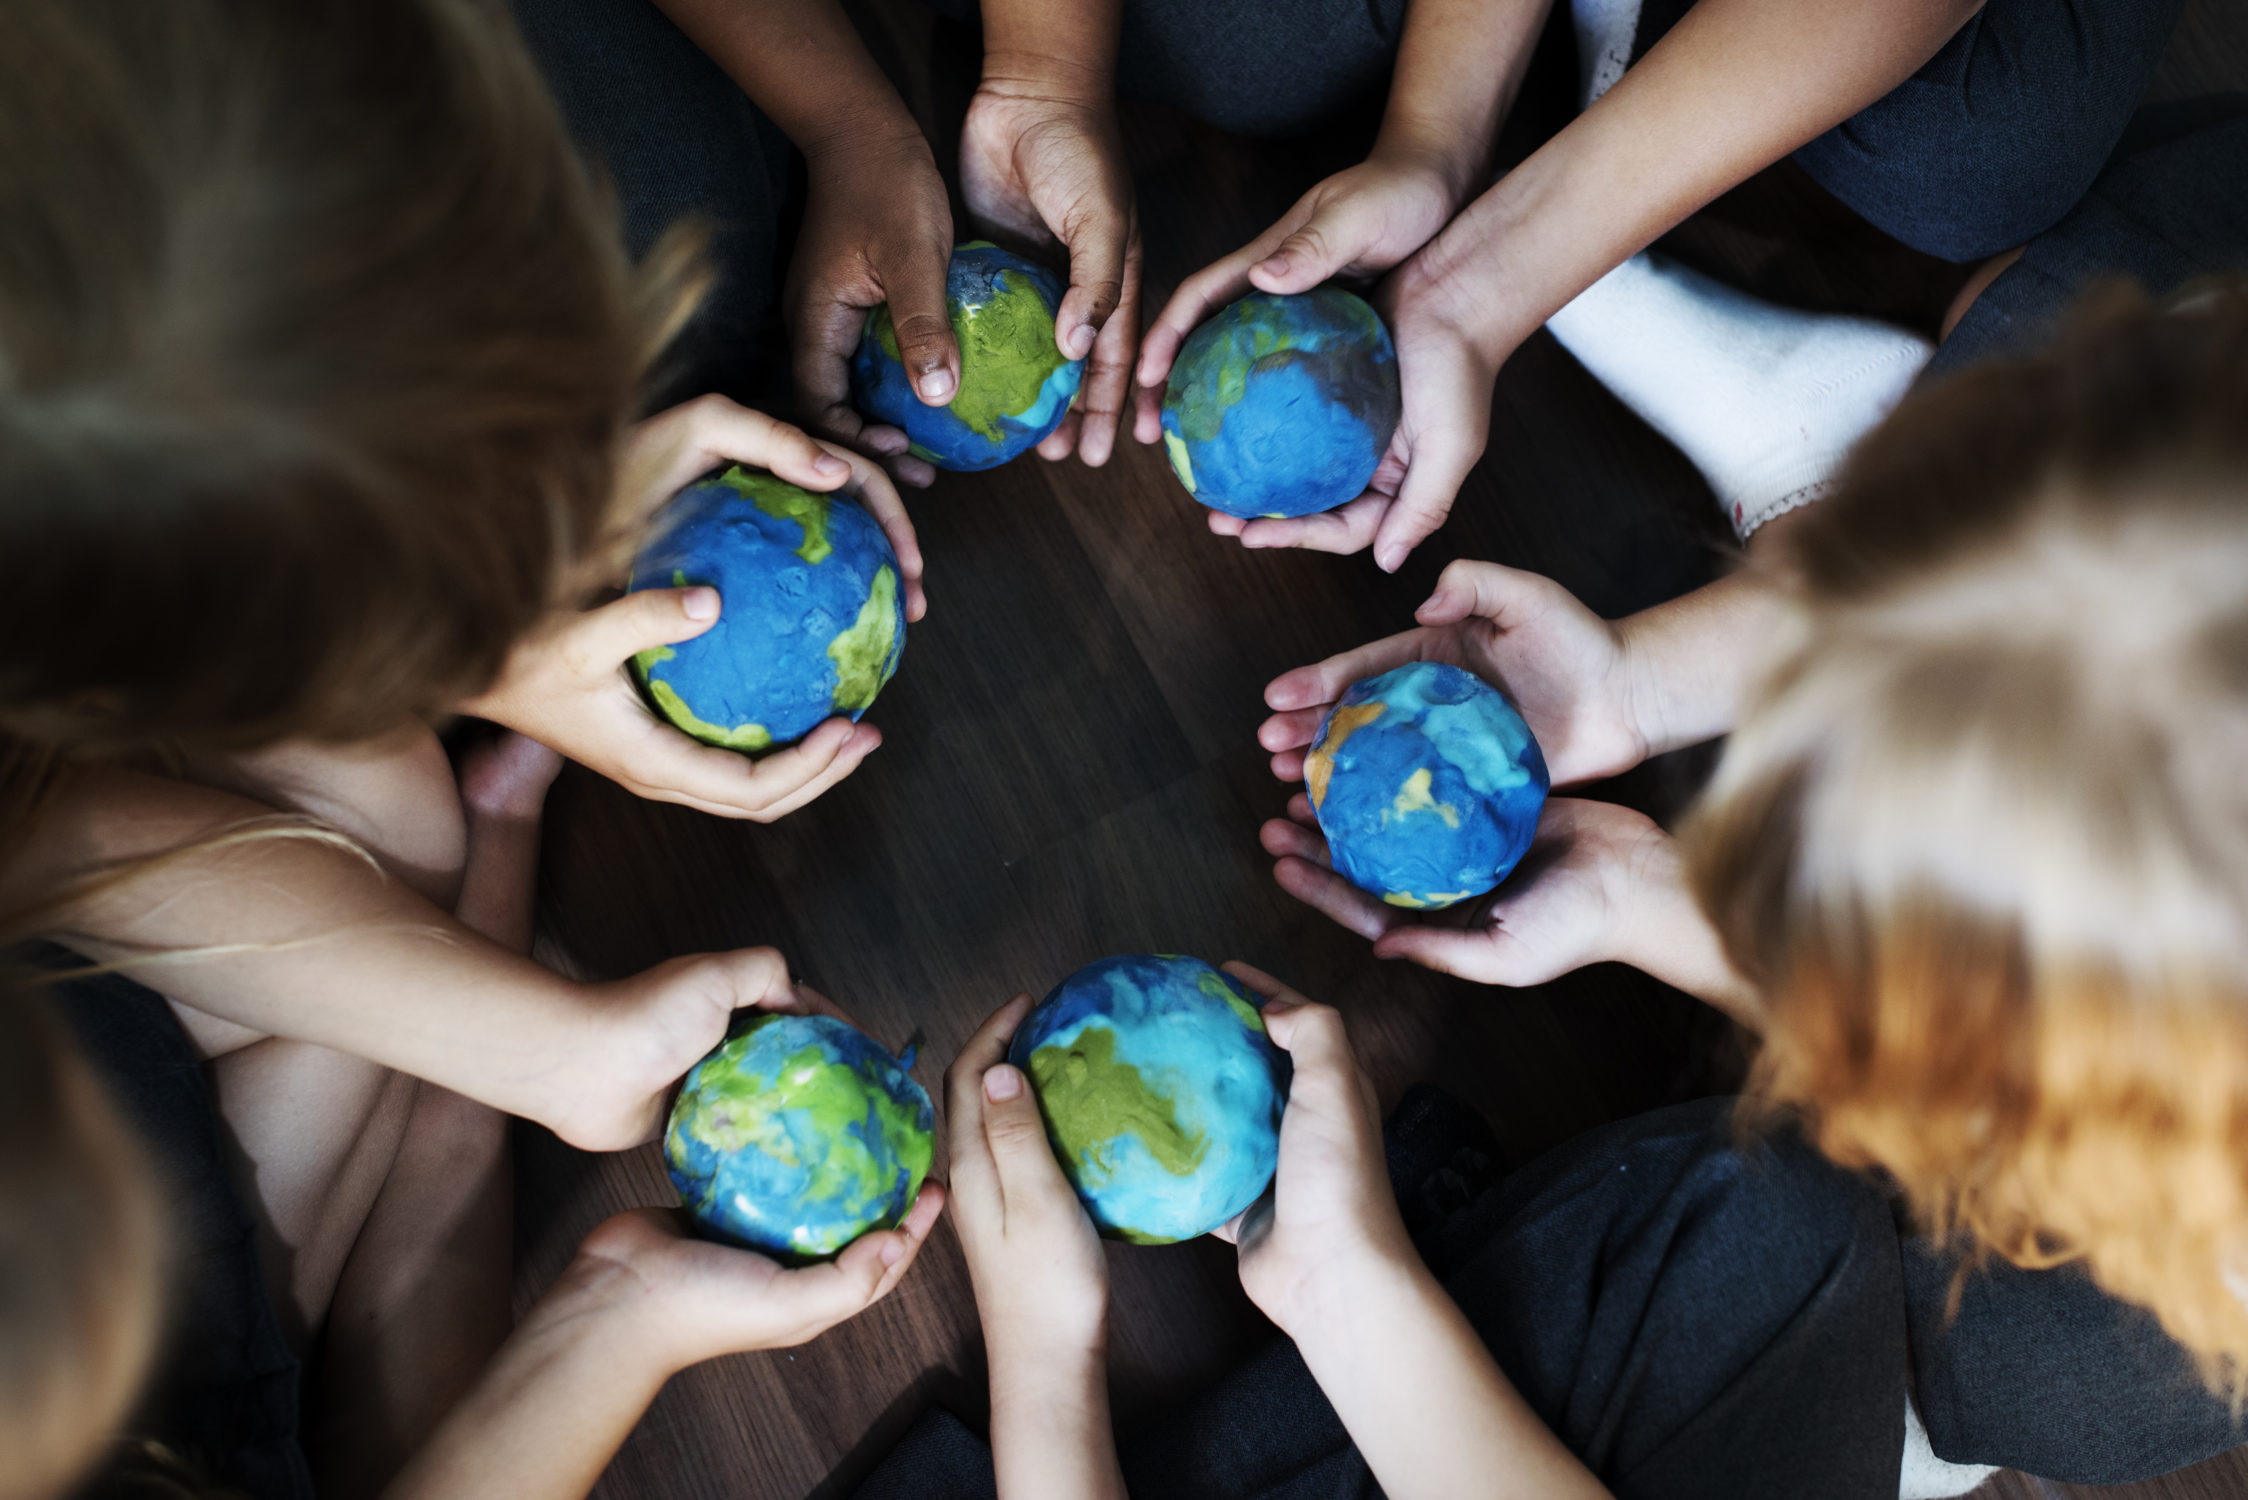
x=1981, y=839
x=315, y=344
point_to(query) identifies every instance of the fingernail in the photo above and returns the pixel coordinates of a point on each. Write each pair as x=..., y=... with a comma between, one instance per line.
x=700, y=604
x=1390, y=558
x=831, y=466
x=936, y=385
x=1080, y=341
x=1434, y=600
x=1278, y=1007
x=1002, y=1083
x=892, y=1252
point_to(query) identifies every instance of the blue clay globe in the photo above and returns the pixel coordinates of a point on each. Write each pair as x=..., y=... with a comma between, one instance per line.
x=1427, y=785
x=1161, y=1093
x=798, y=1135
x=1015, y=383
x=811, y=618
x=1282, y=406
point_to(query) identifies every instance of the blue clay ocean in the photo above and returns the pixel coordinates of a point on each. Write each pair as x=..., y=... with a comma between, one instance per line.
x=1015, y=382
x=1427, y=785
x=1282, y=405
x=798, y=1135
x=811, y=615
x=1161, y=1093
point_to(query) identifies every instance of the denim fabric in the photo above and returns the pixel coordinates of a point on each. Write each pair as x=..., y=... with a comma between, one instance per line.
x=2171, y=205
x=676, y=139
x=224, y=1393
x=1996, y=136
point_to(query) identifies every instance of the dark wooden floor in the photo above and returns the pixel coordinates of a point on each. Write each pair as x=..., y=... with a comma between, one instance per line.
x=1069, y=770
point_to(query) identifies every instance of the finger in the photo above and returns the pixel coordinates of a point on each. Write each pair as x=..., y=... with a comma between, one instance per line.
x=1333, y=238
x=963, y=1081
x=1322, y=683
x=1264, y=986
x=825, y=335
x=1334, y=897
x=863, y=740
x=1251, y=1224
x=872, y=489
x=1490, y=590
x=726, y=431
x=1301, y=810
x=1288, y=765
x=914, y=287
x=1108, y=379
x=1440, y=465
x=1225, y=525
x=1015, y=1133
x=1292, y=730
x=1147, y=414
x=603, y=639
x=810, y=1002
x=754, y=979
x=819, y=1297
x=1285, y=840
x=1058, y=444
x=670, y=766
x=1346, y=529
x=1204, y=293
x=1315, y=1040
x=1465, y=952
x=1099, y=244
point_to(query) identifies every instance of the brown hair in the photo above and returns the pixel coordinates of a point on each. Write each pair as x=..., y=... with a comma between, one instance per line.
x=79, y=1257
x=315, y=344
x=1981, y=839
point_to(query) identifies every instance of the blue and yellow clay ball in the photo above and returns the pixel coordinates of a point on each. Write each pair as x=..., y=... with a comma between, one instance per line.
x=798, y=1135
x=1282, y=405
x=811, y=616
x=1015, y=383
x=1161, y=1093
x=1427, y=784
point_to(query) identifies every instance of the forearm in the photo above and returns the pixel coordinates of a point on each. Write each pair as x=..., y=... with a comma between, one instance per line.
x=556, y=1403
x=1735, y=86
x=1068, y=50
x=1689, y=662
x=1426, y=1405
x=1459, y=65
x=288, y=936
x=804, y=65
x=1050, y=1432
x=1666, y=934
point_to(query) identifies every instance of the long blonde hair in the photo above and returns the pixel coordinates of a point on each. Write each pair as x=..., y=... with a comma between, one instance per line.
x=1982, y=838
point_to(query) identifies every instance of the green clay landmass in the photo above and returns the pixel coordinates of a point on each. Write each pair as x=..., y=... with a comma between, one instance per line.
x=730, y=1109
x=785, y=502
x=1214, y=372
x=1181, y=464
x=1103, y=1099
x=1007, y=351
x=862, y=653
x=1216, y=988
x=750, y=737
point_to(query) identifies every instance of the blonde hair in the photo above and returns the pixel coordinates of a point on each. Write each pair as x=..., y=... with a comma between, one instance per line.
x=1981, y=839
x=79, y=1256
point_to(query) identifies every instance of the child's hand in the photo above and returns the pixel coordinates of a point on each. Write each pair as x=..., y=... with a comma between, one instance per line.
x=1568, y=671
x=1041, y=1280
x=1572, y=901
x=1357, y=223
x=1329, y=1221
x=877, y=228
x=679, y=1300
x=1042, y=158
x=565, y=685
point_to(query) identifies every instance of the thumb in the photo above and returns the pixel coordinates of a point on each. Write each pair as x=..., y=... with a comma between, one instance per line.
x=915, y=287
x=1015, y=1131
x=1492, y=590
x=1317, y=251
x=1440, y=464
x=645, y=619
x=1097, y=251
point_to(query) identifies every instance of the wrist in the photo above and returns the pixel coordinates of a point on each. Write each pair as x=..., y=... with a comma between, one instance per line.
x=877, y=135
x=1047, y=77
x=1411, y=148
x=1345, y=1304
x=601, y=1311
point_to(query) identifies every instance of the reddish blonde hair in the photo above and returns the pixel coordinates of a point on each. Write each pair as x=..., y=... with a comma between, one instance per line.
x=1981, y=840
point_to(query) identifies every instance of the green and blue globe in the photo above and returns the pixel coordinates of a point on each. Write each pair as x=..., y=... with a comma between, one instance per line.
x=811, y=618
x=1015, y=382
x=1282, y=405
x=1427, y=784
x=798, y=1135
x=1161, y=1093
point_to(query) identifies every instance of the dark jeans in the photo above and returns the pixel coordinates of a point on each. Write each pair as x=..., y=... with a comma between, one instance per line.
x=1695, y=1316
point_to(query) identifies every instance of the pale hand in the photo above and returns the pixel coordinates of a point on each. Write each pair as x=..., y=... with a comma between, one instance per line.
x=566, y=685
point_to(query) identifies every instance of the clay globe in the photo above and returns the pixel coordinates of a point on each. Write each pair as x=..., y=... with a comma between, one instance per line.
x=1015, y=383
x=1427, y=785
x=798, y=1135
x=811, y=618
x=1161, y=1093
x=1282, y=406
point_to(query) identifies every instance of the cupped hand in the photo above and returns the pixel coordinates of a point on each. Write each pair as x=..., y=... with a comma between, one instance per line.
x=1041, y=1280
x=1565, y=669
x=877, y=228
x=1357, y=223
x=683, y=1300
x=1572, y=901
x=566, y=686
x=1330, y=1216
x=1042, y=160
